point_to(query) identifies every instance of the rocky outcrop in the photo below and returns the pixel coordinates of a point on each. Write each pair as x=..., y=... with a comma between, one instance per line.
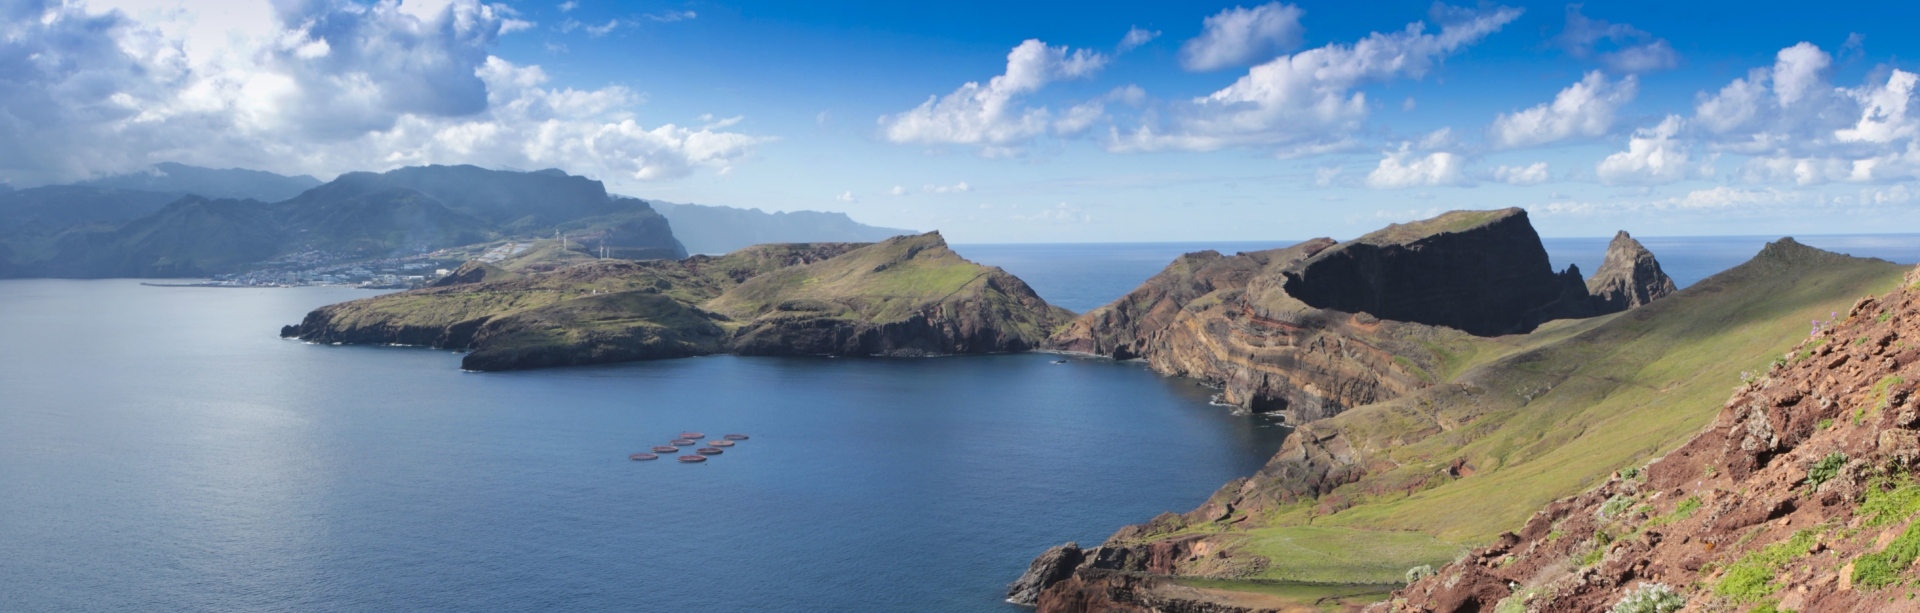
x=1629, y=277
x=474, y=272
x=1051, y=567
x=1314, y=329
x=1800, y=496
x=1482, y=272
x=907, y=296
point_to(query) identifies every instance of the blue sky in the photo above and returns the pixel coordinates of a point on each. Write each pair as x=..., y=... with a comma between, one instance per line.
x=1214, y=121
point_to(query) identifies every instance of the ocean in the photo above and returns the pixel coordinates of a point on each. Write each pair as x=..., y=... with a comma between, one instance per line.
x=162, y=450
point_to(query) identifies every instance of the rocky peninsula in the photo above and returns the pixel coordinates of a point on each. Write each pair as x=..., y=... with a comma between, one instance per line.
x=906, y=296
x=1508, y=424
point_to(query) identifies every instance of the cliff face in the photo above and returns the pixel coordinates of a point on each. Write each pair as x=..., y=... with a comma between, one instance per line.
x=907, y=296
x=1482, y=272
x=1320, y=327
x=1799, y=496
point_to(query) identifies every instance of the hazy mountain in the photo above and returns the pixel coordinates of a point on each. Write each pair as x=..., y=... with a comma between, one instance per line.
x=96, y=231
x=236, y=183
x=716, y=230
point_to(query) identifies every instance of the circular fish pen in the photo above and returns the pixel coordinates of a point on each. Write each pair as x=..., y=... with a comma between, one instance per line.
x=709, y=451
x=665, y=449
x=643, y=456
x=720, y=443
x=735, y=437
x=692, y=435
x=680, y=442
x=693, y=458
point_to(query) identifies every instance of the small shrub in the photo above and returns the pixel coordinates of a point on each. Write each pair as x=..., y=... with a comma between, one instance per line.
x=1614, y=506
x=1650, y=598
x=1769, y=607
x=1419, y=572
x=1824, y=424
x=1630, y=473
x=1826, y=469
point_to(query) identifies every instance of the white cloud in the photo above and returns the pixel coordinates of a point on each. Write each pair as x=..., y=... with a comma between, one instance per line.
x=988, y=115
x=670, y=16
x=957, y=188
x=1306, y=101
x=1531, y=174
x=897, y=191
x=1636, y=50
x=1883, y=114
x=603, y=30
x=1584, y=109
x=1657, y=55
x=1326, y=176
x=1653, y=156
x=1403, y=169
x=316, y=88
x=1059, y=213
x=1135, y=37
x=1240, y=36
x=845, y=197
x=568, y=6
x=1798, y=71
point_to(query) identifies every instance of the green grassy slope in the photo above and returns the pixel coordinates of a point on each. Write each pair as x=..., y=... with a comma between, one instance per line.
x=1547, y=415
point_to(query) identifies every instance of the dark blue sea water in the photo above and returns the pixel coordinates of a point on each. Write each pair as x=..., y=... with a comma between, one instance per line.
x=162, y=450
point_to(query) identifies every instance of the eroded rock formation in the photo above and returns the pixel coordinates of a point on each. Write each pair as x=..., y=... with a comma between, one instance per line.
x=1629, y=277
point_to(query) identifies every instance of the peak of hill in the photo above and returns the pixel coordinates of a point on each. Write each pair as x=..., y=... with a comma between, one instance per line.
x=906, y=296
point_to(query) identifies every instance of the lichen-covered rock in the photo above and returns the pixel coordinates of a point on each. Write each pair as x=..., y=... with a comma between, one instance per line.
x=1052, y=566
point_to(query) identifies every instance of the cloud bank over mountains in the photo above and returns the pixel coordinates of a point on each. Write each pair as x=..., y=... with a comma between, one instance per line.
x=317, y=86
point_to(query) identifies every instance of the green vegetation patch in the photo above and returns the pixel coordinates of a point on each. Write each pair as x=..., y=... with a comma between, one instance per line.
x=1345, y=555
x=1881, y=569
x=1889, y=500
x=1752, y=576
x=1297, y=592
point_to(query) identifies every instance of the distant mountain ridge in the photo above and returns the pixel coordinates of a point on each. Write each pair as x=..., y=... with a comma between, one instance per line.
x=100, y=230
x=235, y=183
x=716, y=230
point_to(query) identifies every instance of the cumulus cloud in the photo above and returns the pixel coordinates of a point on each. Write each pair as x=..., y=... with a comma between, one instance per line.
x=988, y=115
x=1531, y=174
x=957, y=188
x=897, y=191
x=1800, y=128
x=1240, y=36
x=1653, y=156
x=1135, y=37
x=1584, y=109
x=1635, y=50
x=568, y=6
x=845, y=197
x=319, y=87
x=1306, y=101
x=1059, y=213
x=1404, y=169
